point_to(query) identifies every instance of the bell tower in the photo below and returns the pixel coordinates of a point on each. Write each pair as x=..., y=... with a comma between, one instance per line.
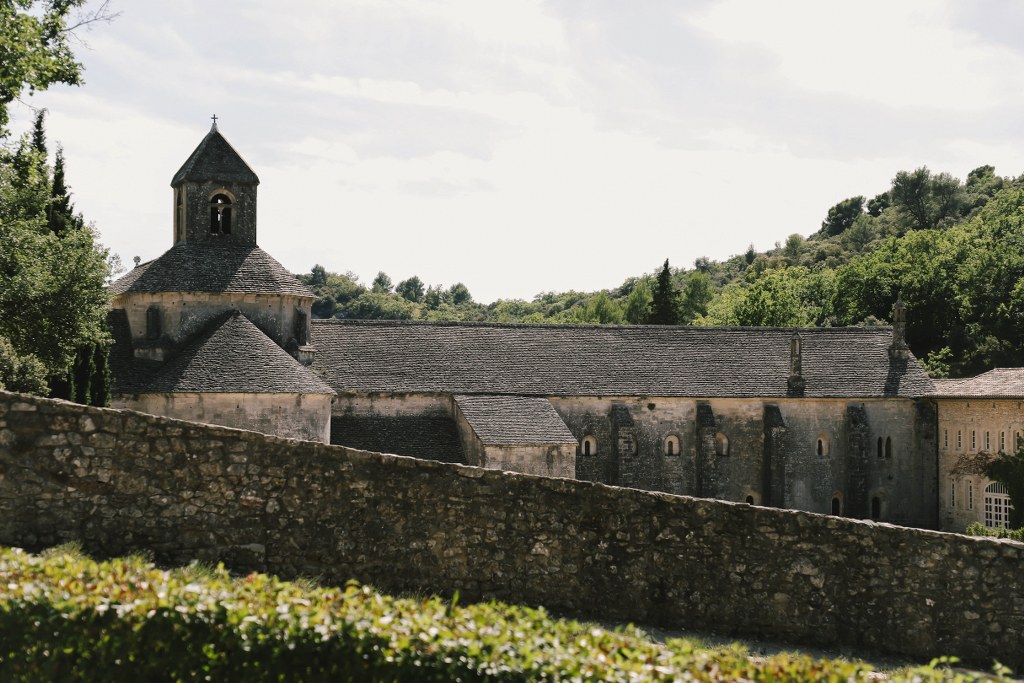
x=215, y=195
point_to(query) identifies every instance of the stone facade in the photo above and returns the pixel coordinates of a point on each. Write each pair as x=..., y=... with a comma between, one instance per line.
x=121, y=482
x=971, y=433
x=815, y=455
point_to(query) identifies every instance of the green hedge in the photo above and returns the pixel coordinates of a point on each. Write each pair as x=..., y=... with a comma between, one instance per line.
x=979, y=529
x=66, y=617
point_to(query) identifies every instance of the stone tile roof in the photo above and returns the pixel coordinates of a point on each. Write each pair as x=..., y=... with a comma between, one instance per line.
x=231, y=356
x=567, y=360
x=997, y=383
x=206, y=267
x=514, y=420
x=215, y=159
x=430, y=438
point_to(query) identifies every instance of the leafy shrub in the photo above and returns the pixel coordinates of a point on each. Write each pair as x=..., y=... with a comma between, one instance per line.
x=65, y=617
x=979, y=529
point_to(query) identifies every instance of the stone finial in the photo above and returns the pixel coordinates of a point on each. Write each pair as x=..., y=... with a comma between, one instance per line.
x=899, y=348
x=796, y=383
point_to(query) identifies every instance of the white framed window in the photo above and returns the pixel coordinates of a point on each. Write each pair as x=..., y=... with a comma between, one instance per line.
x=588, y=445
x=1002, y=442
x=721, y=444
x=997, y=506
x=988, y=444
x=671, y=445
x=822, y=446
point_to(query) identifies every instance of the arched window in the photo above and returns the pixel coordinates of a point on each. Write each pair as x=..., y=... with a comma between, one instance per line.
x=750, y=500
x=876, y=508
x=588, y=446
x=888, y=446
x=721, y=444
x=179, y=215
x=153, y=322
x=220, y=214
x=837, y=505
x=672, y=445
x=881, y=444
x=997, y=506
x=822, y=447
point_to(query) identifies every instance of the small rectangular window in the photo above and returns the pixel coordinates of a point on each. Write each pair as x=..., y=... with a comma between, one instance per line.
x=1002, y=442
x=988, y=444
x=952, y=493
x=974, y=440
x=945, y=438
x=959, y=440
x=970, y=495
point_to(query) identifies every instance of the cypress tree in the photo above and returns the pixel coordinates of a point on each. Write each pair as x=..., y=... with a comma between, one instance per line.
x=664, y=304
x=101, y=376
x=82, y=371
x=60, y=212
x=39, y=133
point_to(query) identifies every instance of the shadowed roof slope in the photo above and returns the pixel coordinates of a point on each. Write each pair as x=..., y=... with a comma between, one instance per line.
x=514, y=420
x=997, y=383
x=577, y=360
x=234, y=356
x=211, y=267
x=215, y=159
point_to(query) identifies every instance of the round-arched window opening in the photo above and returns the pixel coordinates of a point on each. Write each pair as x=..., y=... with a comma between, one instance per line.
x=671, y=445
x=220, y=214
x=888, y=446
x=588, y=446
x=880, y=446
x=837, y=505
x=750, y=500
x=876, y=508
x=721, y=444
x=822, y=446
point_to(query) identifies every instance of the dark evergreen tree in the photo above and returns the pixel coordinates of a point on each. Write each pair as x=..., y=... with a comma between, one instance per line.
x=39, y=133
x=82, y=371
x=664, y=304
x=60, y=212
x=100, y=391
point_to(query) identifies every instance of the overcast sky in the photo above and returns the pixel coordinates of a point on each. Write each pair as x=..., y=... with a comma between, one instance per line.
x=521, y=146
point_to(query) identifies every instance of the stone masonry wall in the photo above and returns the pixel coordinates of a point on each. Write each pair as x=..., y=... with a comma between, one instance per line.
x=121, y=481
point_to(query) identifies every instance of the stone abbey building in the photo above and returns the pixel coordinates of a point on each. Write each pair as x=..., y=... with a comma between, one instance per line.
x=830, y=420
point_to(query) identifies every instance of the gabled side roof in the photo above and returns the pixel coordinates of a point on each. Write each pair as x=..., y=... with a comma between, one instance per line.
x=514, y=420
x=232, y=356
x=211, y=267
x=582, y=360
x=997, y=383
x=215, y=159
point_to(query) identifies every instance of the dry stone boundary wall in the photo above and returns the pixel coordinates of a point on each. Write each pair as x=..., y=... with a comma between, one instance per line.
x=120, y=481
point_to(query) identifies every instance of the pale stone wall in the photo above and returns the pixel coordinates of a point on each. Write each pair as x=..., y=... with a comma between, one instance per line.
x=183, y=314
x=962, y=495
x=392, y=404
x=122, y=482
x=551, y=460
x=293, y=416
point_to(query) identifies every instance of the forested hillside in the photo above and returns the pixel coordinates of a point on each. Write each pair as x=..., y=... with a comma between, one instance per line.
x=954, y=250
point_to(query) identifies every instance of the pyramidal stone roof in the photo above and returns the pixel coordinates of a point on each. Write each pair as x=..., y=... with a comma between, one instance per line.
x=997, y=383
x=233, y=356
x=215, y=159
x=587, y=360
x=514, y=420
x=211, y=267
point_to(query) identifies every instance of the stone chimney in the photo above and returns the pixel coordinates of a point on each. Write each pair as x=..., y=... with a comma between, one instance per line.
x=796, y=384
x=898, y=348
